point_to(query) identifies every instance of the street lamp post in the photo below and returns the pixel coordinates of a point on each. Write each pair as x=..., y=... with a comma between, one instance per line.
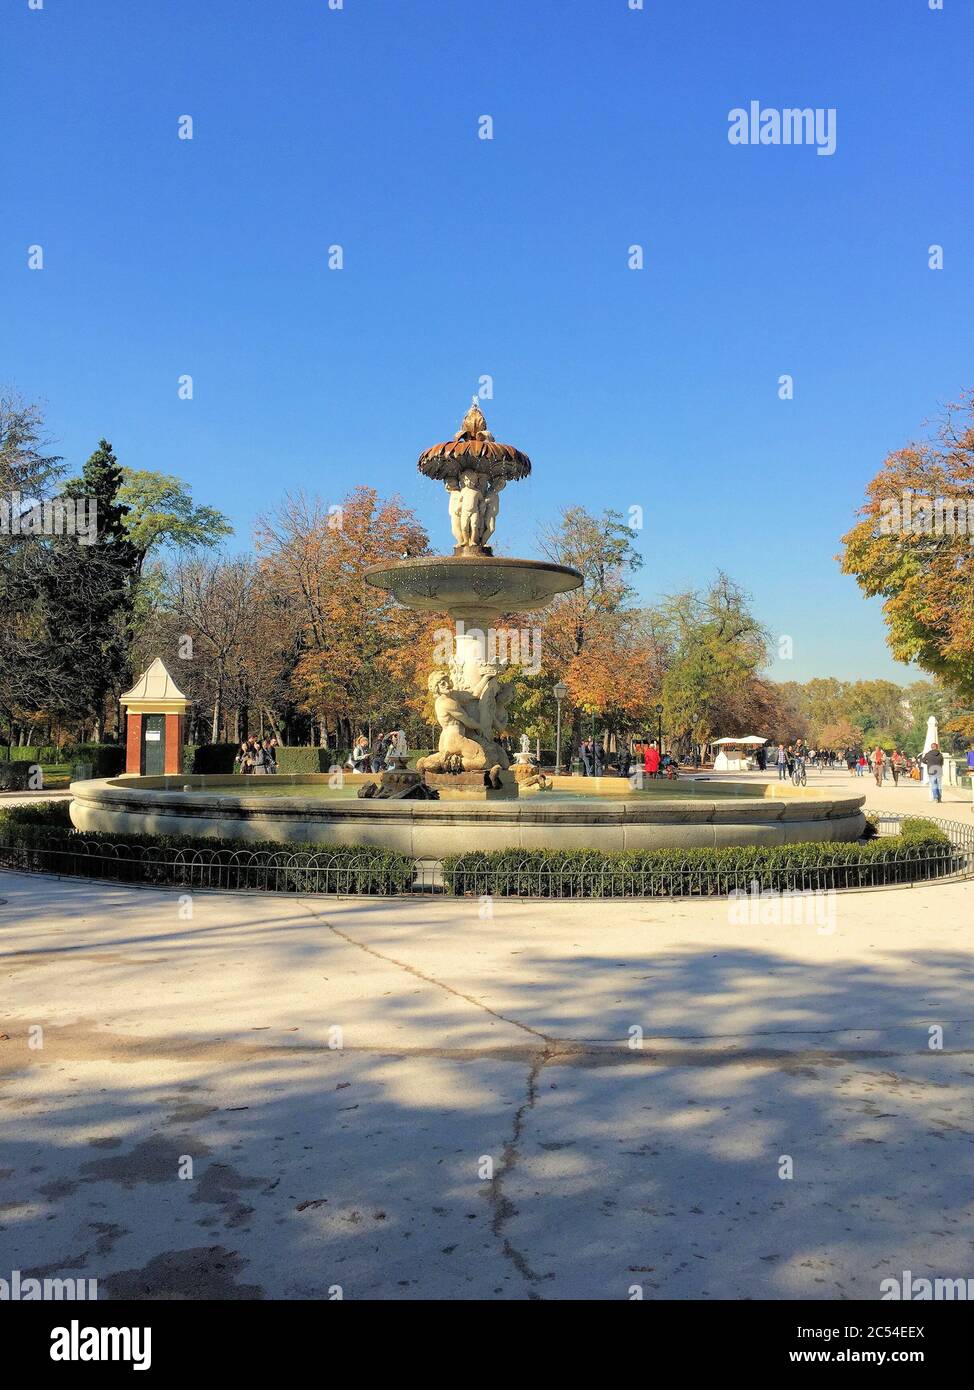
x=559, y=692
x=659, y=729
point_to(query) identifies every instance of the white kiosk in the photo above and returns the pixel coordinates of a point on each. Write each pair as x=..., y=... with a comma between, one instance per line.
x=736, y=754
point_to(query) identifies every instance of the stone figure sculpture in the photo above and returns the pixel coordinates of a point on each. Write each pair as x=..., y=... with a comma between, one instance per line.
x=474, y=505
x=469, y=721
x=492, y=505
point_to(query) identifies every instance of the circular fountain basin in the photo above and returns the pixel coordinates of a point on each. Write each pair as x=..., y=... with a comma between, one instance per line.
x=605, y=814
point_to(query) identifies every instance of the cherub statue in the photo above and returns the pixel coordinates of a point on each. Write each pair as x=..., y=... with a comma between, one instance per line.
x=492, y=505
x=452, y=486
x=468, y=506
x=472, y=503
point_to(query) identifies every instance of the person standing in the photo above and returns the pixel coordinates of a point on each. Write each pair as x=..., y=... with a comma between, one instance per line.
x=359, y=756
x=896, y=765
x=781, y=762
x=253, y=749
x=651, y=760
x=934, y=763
x=585, y=753
x=878, y=758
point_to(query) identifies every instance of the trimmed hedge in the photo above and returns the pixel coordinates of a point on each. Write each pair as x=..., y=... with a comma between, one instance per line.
x=39, y=838
x=90, y=760
x=22, y=753
x=304, y=760
x=43, y=753
x=919, y=847
x=38, y=815
x=211, y=758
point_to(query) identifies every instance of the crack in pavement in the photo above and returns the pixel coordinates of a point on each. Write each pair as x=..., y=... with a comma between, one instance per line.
x=502, y=1208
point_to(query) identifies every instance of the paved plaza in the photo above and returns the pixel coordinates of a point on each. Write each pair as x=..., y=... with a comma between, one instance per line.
x=287, y=1097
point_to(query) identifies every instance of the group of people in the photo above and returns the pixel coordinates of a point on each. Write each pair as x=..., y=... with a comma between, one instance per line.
x=879, y=763
x=624, y=762
x=256, y=756
x=591, y=755
x=796, y=754
x=897, y=764
x=380, y=754
x=655, y=762
x=824, y=759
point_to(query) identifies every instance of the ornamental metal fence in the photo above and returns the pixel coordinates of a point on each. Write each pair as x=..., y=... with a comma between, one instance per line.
x=809, y=868
x=806, y=868
x=201, y=867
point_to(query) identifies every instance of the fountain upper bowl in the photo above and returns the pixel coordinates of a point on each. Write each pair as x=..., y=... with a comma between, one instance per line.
x=473, y=583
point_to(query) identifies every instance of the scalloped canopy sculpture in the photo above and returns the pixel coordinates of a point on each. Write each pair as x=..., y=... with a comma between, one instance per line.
x=473, y=446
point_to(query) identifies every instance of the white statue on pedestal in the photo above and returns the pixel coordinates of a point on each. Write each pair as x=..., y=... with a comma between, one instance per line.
x=933, y=736
x=525, y=754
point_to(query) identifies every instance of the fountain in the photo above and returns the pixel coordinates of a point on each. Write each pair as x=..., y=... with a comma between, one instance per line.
x=478, y=590
x=464, y=795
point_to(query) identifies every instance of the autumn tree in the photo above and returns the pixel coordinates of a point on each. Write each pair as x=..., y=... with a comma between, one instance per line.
x=912, y=547
x=592, y=637
x=360, y=652
x=839, y=735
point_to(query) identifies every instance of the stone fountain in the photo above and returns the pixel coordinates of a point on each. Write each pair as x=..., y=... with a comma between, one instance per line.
x=478, y=590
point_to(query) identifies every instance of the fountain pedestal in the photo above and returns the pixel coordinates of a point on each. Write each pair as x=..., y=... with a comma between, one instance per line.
x=471, y=786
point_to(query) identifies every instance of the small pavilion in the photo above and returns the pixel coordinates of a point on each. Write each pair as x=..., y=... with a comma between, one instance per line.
x=736, y=754
x=156, y=716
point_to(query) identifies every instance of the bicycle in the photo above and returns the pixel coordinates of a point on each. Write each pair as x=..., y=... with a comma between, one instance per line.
x=798, y=774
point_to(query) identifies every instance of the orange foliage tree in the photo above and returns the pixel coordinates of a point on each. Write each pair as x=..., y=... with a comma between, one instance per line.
x=913, y=547
x=360, y=655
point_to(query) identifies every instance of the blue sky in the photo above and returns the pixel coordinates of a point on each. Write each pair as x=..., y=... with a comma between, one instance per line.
x=505, y=257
